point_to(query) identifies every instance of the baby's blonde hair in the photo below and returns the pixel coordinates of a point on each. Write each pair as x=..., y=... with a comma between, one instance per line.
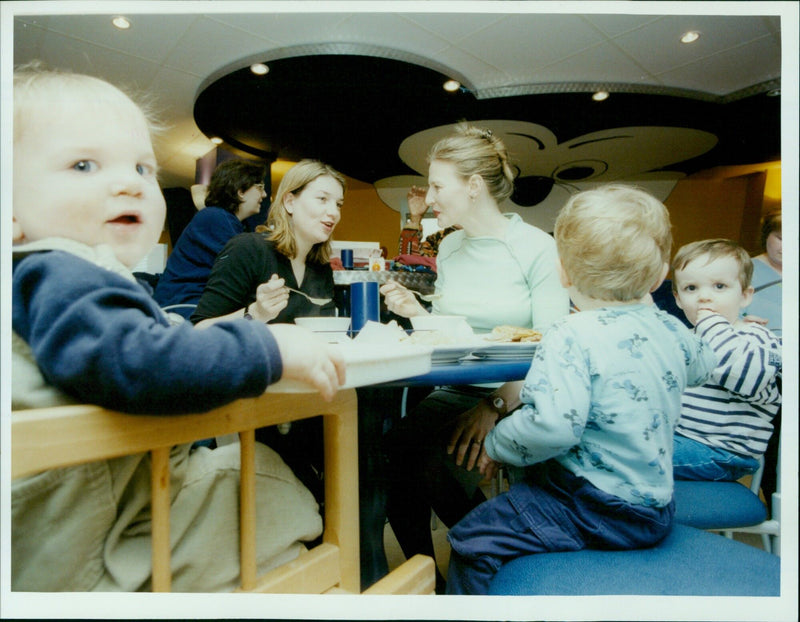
x=711, y=250
x=613, y=242
x=35, y=85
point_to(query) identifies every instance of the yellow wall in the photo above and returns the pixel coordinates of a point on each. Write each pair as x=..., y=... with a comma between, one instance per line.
x=772, y=187
x=365, y=218
x=725, y=202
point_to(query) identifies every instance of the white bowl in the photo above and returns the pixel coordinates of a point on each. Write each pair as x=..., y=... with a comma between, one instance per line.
x=334, y=328
x=435, y=322
x=454, y=326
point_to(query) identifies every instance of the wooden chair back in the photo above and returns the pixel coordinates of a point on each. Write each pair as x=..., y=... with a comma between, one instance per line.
x=49, y=438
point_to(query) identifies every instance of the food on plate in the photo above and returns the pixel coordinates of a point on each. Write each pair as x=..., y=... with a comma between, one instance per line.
x=514, y=334
x=432, y=338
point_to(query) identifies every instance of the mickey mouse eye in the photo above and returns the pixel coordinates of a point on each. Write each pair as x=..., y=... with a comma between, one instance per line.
x=580, y=170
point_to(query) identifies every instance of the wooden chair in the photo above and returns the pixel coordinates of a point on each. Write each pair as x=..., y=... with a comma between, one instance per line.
x=49, y=438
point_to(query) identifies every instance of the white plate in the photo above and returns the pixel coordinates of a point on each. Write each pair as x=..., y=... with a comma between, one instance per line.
x=450, y=354
x=371, y=364
x=509, y=351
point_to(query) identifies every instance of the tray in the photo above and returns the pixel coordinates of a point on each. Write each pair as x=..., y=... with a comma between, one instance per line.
x=368, y=364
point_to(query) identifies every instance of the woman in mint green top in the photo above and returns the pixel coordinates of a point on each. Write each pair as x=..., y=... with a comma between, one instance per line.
x=495, y=270
x=493, y=281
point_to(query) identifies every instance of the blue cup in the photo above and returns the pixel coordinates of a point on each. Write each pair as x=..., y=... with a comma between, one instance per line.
x=347, y=258
x=364, y=304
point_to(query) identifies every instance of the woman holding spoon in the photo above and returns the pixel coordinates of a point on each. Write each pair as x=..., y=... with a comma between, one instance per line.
x=259, y=274
x=256, y=276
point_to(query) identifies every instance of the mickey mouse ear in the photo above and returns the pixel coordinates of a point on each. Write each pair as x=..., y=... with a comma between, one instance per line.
x=531, y=190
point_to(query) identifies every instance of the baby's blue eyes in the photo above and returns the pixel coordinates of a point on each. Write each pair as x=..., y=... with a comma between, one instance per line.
x=85, y=166
x=89, y=166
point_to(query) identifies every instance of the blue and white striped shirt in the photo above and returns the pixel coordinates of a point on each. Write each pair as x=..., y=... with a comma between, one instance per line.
x=734, y=409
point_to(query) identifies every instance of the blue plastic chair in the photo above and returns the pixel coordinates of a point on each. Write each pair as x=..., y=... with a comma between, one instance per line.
x=688, y=562
x=729, y=507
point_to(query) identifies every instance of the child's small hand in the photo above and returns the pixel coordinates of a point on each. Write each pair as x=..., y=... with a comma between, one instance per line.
x=470, y=430
x=309, y=359
x=702, y=313
x=487, y=466
x=271, y=298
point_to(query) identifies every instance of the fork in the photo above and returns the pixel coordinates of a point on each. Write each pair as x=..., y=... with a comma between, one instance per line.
x=316, y=301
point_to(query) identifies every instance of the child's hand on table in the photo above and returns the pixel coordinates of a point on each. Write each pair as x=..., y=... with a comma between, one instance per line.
x=309, y=359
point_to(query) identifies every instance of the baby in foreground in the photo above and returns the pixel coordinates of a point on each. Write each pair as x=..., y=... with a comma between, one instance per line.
x=600, y=402
x=86, y=208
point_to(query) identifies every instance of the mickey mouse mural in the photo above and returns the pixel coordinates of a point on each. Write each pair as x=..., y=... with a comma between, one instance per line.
x=550, y=171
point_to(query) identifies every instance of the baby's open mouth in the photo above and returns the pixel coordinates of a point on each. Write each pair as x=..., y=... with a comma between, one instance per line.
x=126, y=219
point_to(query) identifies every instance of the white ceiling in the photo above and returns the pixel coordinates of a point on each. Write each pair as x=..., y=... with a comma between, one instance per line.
x=173, y=54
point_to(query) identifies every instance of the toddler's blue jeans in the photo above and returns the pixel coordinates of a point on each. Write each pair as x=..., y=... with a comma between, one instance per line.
x=552, y=511
x=697, y=461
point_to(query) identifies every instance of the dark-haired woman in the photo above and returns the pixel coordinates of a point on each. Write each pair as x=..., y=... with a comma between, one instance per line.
x=234, y=193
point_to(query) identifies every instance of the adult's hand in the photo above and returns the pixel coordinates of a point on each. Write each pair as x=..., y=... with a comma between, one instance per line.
x=416, y=204
x=271, y=298
x=401, y=301
x=754, y=319
x=309, y=359
x=470, y=429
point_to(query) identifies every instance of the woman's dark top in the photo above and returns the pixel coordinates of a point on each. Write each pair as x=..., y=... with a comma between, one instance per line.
x=190, y=262
x=248, y=260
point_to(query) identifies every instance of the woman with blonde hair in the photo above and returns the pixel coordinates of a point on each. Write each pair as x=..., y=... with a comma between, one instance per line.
x=252, y=272
x=495, y=270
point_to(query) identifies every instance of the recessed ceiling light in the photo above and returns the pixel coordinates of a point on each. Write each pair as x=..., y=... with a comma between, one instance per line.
x=600, y=96
x=690, y=37
x=774, y=93
x=216, y=140
x=451, y=86
x=260, y=69
x=121, y=22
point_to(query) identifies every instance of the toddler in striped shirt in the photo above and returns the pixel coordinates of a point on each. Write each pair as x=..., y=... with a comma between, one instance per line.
x=726, y=423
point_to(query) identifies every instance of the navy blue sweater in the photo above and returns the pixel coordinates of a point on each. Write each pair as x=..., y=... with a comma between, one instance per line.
x=190, y=262
x=103, y=340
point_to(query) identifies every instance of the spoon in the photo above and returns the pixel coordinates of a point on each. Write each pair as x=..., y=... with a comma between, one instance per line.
x=316, y=301
x=425, y=297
